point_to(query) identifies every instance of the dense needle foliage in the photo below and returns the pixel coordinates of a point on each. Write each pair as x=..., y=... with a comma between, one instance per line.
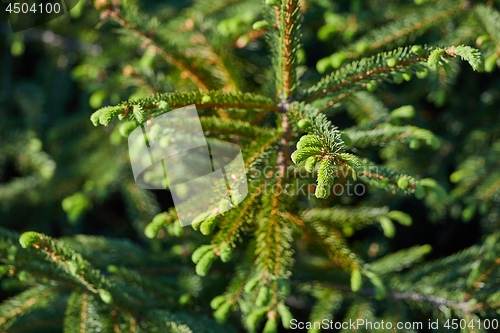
x=357, y=122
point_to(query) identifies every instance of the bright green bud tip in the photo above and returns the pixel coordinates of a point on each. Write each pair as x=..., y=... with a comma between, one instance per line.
x=112, y=269
x=73, y=267
x=371, y=86
x=272, y=3
x=362, y=47
x=407, y=76
x=387, y=226
x=481, y=39
x=163, y=105
x=206, y=99
x=225, y=252
x=414, y=144
x=403, y=183
x=310, y=163
x=304, y=123
x=151, y=230
x=356, y=280
x=392, y=62
x=383, y=183
x=126, y=128
x=405, y=111
x=271, y=325
x=205, y=263
x=208, y=225
x=337, y=59
x=423, y=73
x=323, y=64
x=321, y=192
x=417, y=49
x=222, y=312
x=260, y=24
x=217, y=301
x=105, y=296
x=491, y=63
x=29, y=238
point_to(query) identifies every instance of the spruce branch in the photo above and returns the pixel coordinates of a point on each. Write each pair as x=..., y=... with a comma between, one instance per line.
x=404, y=29
x=328, y=301
x=477, y=283
x=230, y=227
x=362, y=71
x=24, y=303
x=175, y=59
x=489, y=18
x=262, y=147
x=399, y=260
x=273, y=253
x=234, y=127
x=490, y=187
x=289, y=25
x=232, y=83
x=81, y=270
x=358, y=74
x=341, y=217
x=161, y=103
x=366, y=109
x=331, y=241
x=387, y=134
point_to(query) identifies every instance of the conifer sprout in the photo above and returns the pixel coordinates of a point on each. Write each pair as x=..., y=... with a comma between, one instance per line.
x=306, y=147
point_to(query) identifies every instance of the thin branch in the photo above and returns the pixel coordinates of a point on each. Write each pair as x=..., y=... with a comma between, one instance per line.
x=363, y=76
x=83, y=314
x=287, y=61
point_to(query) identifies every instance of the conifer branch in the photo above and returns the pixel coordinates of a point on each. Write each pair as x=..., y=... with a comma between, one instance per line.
x=80, y=269
x=358, y=74
x=399, y=260
x=409, y=27
x=481, y=278
x=363, y=71
x=489, y=187
x=230, y=227
x=219, y=69
x=489, y=19
x=366, y=109
x=235, y=127
x=23, y=303
x=114, y=13
x=265, y=146
x=386, y=134
x=354, y=217
x=224, y=61
x=328, y=301
x=331, y=240
x=118, y=286
x=289, y=24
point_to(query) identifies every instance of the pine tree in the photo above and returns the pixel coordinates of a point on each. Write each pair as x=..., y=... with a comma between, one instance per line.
x=286, y=250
